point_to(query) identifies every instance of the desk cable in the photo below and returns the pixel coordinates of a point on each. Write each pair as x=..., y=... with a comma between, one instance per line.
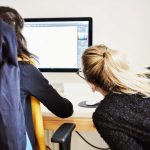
x=90, y=143
x=48, y=148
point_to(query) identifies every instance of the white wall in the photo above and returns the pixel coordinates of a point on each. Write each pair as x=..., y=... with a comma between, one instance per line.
x=120, y=24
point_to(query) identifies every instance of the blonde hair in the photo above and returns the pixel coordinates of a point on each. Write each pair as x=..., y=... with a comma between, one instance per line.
x=107, y=69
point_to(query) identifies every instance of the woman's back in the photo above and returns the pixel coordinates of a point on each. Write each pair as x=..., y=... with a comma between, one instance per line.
x=123, y=120
x=33, y=83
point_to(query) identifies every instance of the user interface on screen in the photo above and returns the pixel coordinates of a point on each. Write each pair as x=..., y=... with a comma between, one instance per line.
x=58, y=42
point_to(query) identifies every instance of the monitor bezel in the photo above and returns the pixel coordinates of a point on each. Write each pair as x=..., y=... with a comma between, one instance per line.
x=90, y=37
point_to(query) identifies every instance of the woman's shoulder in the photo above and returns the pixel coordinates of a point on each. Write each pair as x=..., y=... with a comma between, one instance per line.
x=25, y=66
x=116, y=104
x=30, y=75
x=115, y=99
x=109, y=103
x=27, y=70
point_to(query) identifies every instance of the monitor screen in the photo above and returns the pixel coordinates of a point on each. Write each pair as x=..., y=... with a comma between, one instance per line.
x=58, y=42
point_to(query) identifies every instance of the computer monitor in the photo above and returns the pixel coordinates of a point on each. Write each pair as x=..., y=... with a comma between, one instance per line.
x=58, y=42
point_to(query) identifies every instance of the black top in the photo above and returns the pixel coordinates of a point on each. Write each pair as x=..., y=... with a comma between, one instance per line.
x=33, y=83
x=123, y=121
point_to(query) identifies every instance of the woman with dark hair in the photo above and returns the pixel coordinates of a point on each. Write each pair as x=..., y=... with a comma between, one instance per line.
x=32, y=82
x=13, y=18
x=123, y=117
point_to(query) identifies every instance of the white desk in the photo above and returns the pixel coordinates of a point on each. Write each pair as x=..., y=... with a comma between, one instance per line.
x=82, y=117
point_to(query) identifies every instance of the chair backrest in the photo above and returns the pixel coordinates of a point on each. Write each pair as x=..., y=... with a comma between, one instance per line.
x=38, y=123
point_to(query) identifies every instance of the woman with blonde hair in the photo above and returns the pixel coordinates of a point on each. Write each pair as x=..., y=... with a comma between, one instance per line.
x=123, y=117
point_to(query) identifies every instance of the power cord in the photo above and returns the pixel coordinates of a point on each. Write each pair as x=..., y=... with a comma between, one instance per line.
x=48, y=148
x=90, y=143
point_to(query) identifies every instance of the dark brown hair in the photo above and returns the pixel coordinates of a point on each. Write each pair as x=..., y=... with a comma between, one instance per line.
x=13, y=18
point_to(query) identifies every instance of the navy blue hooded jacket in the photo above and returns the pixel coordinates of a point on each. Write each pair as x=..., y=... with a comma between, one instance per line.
x=12, y=123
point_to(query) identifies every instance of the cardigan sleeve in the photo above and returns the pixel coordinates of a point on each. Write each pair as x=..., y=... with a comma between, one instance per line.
x=36, y=85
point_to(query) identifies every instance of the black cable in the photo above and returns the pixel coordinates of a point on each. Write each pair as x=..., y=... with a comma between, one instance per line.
x=90, y=143
x=48, y=148
x=147, y=67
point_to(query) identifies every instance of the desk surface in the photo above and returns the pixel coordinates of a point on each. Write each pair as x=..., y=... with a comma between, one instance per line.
x=82, y=117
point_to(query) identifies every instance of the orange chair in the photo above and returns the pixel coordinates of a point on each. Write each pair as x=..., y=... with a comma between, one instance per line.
x=62, y=135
